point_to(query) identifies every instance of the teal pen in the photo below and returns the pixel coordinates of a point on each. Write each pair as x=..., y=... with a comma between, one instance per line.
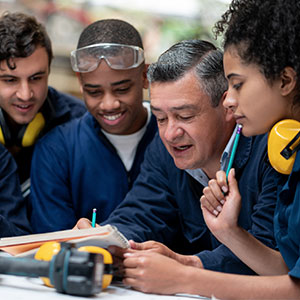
x=94, y=217
x=235, y=144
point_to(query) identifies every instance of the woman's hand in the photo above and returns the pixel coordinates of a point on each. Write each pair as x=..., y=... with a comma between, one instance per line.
x=221, y=205
x=151, y=272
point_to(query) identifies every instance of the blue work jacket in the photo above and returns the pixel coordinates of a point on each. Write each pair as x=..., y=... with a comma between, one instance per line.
x=13, y=213
x=163, y=205
x=58, y=108
x=75, y=169
x=287, y=220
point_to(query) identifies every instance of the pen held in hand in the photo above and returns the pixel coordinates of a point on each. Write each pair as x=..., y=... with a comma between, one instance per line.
x=94, y=217
x=235, y=144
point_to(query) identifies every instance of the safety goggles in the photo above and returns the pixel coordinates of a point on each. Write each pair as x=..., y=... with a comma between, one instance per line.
x=117, y=56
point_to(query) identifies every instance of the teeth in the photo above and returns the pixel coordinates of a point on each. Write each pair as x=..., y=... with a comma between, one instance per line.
x=182, y=147
x=112, y=118
x=23, y=106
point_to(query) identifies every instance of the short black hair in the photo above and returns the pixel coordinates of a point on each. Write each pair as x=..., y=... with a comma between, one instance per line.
x=264, y=32
x=20, y=35
x=110, y=31
x=202, y=56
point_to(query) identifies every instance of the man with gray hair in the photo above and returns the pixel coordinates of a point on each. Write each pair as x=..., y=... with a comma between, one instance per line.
x=196, y=135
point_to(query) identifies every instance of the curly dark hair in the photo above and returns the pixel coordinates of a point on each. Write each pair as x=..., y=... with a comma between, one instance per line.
x=20, y=35
x=264, y=32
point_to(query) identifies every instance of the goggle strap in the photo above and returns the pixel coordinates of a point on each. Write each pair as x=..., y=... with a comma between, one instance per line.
x=287, y=152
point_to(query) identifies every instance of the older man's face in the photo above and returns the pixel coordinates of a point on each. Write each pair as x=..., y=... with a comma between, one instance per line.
x=190, y=128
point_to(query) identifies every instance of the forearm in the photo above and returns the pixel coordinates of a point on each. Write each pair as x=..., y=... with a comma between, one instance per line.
x=257, y=256
x=229, y=286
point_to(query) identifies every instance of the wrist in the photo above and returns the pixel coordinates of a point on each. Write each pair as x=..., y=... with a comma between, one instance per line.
x=230, y=234
x=189, y=260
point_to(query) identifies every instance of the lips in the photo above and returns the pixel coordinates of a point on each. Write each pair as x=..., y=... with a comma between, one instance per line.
x=23, y=107
x=238, y=118
x=181, y=149
x=112, y=117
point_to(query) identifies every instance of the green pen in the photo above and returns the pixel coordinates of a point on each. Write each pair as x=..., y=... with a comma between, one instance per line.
x=235, y=144
x=94, y=217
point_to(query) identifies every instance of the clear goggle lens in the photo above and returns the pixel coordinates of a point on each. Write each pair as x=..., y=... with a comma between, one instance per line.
x=117, y=56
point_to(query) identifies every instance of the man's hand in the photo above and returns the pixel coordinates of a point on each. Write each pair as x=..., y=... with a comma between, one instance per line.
x=83, y=223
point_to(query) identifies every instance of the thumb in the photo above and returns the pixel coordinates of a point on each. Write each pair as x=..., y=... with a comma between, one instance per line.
x=232, y=183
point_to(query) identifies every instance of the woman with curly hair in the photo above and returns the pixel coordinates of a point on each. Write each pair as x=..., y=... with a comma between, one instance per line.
x=262, y=65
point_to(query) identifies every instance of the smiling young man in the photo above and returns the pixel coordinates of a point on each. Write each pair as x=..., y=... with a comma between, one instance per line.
x=28, y=107
x=93, y=161
x=196, y=134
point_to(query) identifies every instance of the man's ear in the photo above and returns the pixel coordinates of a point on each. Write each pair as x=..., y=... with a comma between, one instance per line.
x=146, y=82
x=288, y=81
x=79, y=80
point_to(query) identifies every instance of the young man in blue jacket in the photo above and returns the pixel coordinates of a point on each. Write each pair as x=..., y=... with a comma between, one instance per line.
x=28, y=109
x=28, y=106
x=187, y=88
x=93, y=161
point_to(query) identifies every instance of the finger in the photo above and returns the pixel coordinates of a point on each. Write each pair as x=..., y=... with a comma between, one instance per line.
x=130, y=260
x=140, y=246
x=117, y=251
x=211, y=198
x=132, y=282
x=133, y=244
x=206, y=204
x=222, y=181
x=216, y=192
x=83, y=223
x=232, y=183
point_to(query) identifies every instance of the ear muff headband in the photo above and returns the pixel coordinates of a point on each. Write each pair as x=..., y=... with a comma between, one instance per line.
x=27, y=135
x=33, y=130
x=2, y=141
x=283, y=143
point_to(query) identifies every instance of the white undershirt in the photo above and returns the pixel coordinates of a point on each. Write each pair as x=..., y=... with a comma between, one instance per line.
x=126, y=145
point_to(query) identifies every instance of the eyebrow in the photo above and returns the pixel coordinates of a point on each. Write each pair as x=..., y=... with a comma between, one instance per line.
x=112, y=84
x=14, y=76
x=176, y=108
x=232, y=75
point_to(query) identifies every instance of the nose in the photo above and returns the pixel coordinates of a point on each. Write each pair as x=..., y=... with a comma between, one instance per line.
x=230, y=101
x=24, y=91
x=172, y=132
x=109, y=102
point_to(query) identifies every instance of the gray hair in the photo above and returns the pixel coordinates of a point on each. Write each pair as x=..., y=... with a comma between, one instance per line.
x=202, y=56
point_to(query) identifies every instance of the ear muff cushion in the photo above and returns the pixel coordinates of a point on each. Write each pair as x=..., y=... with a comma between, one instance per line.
x=107, y=259
x=46, y=252
x=33, y=130
x=279, y=137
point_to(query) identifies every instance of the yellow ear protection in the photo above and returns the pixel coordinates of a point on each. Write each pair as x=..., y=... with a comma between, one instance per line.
x=26, y=136
x=283, y=143
x=49, y=249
